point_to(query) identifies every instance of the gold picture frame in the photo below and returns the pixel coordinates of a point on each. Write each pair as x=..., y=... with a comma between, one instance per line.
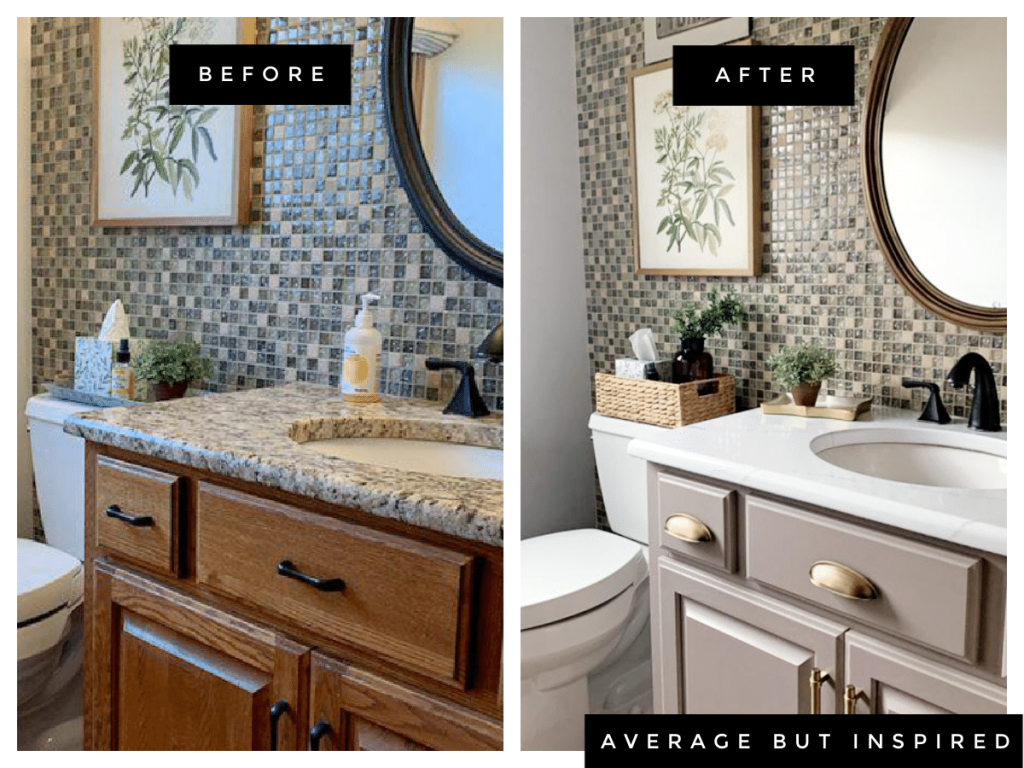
x=122, y=168
x=709, y=231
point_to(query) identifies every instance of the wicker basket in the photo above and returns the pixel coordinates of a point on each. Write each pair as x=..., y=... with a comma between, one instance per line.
x=663, y=404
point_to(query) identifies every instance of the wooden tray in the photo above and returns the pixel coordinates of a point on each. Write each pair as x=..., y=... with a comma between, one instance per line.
x=827, y=407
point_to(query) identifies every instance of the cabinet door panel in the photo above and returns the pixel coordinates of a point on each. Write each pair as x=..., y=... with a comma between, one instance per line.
x=365, y=712
x=720, y=648
x=892, y=681
x=166, y=671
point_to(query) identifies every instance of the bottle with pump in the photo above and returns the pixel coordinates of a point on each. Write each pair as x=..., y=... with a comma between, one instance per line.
x=122, y=379
x=360, y=370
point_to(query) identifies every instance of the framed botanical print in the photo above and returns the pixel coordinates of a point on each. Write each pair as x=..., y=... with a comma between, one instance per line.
x=696, y=182
x=154, y=163
x=662, y=32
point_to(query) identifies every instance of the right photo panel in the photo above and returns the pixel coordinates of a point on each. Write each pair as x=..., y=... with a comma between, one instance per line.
x=764, y=281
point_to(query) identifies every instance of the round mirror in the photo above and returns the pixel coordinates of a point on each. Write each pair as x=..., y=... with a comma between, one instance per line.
x=443, y=98
x=935, y=163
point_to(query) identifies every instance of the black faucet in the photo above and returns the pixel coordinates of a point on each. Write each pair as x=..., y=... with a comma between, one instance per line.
x=934, y=410
x=466, y=401
x=985, y=400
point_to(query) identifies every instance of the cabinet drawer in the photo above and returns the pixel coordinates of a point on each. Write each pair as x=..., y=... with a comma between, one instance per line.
x=917, y=591
x=398, y=597
x=137, y=514
x=698, y=521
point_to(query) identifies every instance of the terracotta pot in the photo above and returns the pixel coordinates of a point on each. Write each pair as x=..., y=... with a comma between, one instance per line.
x=164, y=391
x=806, y=394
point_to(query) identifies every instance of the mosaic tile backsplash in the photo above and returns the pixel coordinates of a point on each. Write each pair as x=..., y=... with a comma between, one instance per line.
x=823, y=277
x=271, y=300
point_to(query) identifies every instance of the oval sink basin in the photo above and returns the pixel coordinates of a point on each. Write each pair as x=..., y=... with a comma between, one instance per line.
x=452, y=449
x=431, y=457
x=919, y=457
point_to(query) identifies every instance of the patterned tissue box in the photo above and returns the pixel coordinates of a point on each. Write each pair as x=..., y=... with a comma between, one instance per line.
x=94, y=363
x=629, y=368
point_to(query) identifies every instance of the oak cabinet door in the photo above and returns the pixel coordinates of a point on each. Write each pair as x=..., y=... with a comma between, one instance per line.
x=355, y=710
x=723, y=649
x=171, y=673
x=891, y=681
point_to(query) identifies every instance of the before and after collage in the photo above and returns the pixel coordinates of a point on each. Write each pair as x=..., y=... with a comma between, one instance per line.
x=529, y=369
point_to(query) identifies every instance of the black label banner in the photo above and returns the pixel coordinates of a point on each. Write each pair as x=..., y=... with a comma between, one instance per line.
x=260, y=74
x=748, y=75
x=664, y=740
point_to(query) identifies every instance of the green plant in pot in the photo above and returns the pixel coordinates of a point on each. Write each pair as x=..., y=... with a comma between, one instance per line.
x=801, y=369
x=169, y=366
x=693, y=326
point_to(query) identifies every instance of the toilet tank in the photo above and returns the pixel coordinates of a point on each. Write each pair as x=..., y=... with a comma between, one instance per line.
x=623, y=478
x=58, y=463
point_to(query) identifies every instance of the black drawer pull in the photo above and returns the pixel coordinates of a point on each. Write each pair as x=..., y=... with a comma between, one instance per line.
x=287, y=568
x=139, y=521
x=275, y=714
x=317, y=732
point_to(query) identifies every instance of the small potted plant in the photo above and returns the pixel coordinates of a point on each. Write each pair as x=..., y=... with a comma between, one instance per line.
x=693, y=327
x=169, y=366
x=801, y=369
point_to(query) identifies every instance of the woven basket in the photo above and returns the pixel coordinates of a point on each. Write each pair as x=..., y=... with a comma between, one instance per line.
x=663, y=404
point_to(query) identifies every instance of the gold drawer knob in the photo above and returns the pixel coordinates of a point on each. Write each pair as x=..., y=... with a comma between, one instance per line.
x=842, y=580
x=688, y=528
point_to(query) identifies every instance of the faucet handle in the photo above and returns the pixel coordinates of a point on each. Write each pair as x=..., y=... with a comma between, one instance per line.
x=934, y=410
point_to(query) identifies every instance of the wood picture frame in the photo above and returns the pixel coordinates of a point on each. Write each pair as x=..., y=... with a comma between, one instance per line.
x=704, y=227
x=694, y=31
x=114, y=192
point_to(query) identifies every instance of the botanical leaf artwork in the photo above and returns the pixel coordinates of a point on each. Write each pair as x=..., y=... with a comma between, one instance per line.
x=694, y=182
x=167, y=140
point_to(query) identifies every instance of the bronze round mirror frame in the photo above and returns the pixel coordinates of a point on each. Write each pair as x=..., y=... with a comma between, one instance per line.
x=908, y=275
x=441, y=223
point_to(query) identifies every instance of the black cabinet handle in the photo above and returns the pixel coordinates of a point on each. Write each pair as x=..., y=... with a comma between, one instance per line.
x=275, y=714
x=287, y=568
x=139, y=521
x=317, y=732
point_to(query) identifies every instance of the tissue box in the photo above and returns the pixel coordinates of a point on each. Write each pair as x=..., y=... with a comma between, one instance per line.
x=94, y=361
x=629, y=368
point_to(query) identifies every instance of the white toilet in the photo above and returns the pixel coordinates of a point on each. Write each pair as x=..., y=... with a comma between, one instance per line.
x=50, y=580
x=584, y=607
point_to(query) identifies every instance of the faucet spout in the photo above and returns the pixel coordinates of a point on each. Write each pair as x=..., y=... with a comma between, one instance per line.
x=985, y=400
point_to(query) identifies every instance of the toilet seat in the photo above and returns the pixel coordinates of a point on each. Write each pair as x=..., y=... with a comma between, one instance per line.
x=568, y=573
x=50, y=586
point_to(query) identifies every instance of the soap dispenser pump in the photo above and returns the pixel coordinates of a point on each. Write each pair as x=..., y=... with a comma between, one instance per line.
x=360, y=370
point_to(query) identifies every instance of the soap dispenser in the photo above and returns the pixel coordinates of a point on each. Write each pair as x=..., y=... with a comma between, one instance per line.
x=360, y=369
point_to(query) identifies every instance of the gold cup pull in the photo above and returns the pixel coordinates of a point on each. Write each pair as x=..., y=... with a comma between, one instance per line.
x=842, y=580
x=817, y=678
x=850, y=700
x=688, y=528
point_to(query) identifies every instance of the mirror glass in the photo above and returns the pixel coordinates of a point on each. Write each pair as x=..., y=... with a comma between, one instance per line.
x=457, y=94
x=943, y=152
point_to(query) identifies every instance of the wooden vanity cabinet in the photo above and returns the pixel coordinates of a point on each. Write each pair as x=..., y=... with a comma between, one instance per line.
x=750, y=639
x=217, y=650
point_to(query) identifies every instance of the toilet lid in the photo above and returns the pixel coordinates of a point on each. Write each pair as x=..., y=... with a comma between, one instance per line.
x=567, y=573
x=48, y=580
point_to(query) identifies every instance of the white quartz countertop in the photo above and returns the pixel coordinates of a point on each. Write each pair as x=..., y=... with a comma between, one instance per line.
x=773, y=454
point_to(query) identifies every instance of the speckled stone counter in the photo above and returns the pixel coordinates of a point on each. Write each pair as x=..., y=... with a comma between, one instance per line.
x=257, y=435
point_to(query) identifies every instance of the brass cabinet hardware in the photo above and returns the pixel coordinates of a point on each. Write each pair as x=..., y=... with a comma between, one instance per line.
x=850, y=700
x=688, y=528
x=842, y=580
x=817, y=678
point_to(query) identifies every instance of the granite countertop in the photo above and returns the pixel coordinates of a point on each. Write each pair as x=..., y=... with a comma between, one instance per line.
x=773, y=454
x=256, y=435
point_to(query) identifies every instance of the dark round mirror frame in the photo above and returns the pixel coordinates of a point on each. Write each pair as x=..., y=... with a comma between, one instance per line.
x=907, y=273
x=441, y=223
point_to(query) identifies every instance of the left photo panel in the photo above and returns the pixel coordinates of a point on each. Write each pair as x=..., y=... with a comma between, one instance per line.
x=260, y=383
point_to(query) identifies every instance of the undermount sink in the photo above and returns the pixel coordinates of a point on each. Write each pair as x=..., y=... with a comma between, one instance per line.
x=464, y=450
x=918, y=456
